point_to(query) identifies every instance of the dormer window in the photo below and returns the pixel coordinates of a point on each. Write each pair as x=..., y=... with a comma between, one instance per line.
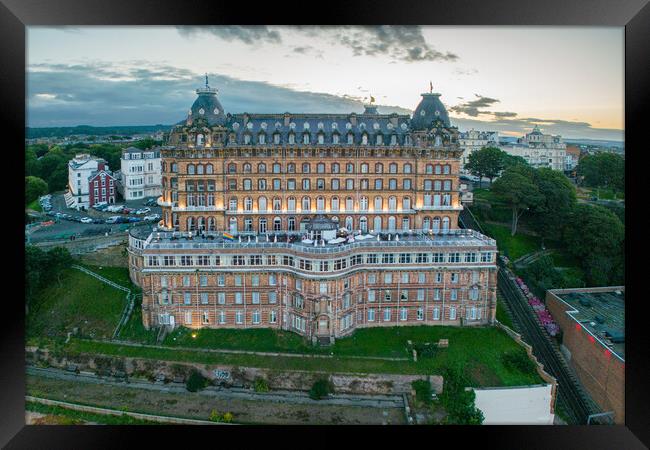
x=247, y=139
x=438, y=142
x=261, y=139
x=380, y=139
x=364, y=139
x=292, y=138
x=393, y=139
x=350, y=138
x=305, y=138
x=276, y=138
x=321, y=138
x=335, y=138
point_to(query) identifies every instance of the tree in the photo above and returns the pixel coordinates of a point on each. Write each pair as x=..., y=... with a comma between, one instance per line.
x=512, y=160
x=549, y=217
x=321, y=389
x=486, y=162
x=596, y=238
x=146, y=143
x=606, y=170
x=34, y=188
x=517, y=188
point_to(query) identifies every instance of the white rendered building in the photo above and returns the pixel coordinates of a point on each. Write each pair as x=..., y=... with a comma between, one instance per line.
x=80, y=169
x=539, y=150
x=140, y=173
x=473, y=140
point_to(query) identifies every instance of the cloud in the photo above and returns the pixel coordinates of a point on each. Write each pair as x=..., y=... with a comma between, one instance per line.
x=248, y=34
x=104, y=94
x=471, y=108
x=308, y=50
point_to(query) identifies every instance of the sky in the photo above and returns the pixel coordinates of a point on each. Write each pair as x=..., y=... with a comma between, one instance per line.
x=567, y=80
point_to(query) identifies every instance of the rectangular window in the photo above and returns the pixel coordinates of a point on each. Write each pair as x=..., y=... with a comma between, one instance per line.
x=204, y=298
x=405, y=277
x=421, y=293
x=239, y=298
x=221, y=298
x=221, y=280
x=403, y=314
x=273, y=316
x=372, y=278
x=256, y=298
x=272, y=297
x=438, y=277
x=453, y=294
x=188, y=317
x=206, y=317
x=420, y=314
x=436, y=313
x=256, y=317
x=371, y=295
x=238, y=281
x=187, y=298
x=371, y=315
x=436, y=294
x=239, y=317
x=454, y=278
x=388, y=278
x=452, y=313
x=204, y=280
x=387, y=315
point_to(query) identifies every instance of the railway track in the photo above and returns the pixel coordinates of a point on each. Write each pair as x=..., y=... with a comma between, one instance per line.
x=570, y=394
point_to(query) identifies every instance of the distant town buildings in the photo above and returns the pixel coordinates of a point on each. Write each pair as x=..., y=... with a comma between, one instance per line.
x=83, y=169
x=573, y=154
x=539, y=150
x=140, y=174
x=473, y=140
x=592, y=321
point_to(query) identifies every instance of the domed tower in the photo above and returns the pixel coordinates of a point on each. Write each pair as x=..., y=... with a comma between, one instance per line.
x=430, y=124
x=206, y=121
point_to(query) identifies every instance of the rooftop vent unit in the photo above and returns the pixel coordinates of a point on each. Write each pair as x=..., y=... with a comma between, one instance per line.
x=618, y=292
x=616, y=336
x=585, y=302
x=599, y=319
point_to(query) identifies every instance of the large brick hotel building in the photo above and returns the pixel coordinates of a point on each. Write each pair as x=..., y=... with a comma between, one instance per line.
x=315, y=223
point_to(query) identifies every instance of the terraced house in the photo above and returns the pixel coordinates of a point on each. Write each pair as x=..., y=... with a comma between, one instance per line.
x=315, y=223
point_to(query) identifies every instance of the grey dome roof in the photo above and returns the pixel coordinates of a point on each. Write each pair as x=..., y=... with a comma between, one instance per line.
x=429, y=110
x=207, y=106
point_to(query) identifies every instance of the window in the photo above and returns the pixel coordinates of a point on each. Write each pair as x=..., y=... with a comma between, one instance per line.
x=256, y=317
x=387, y=296
x=371, y=315
x=387, y=315
x=255, y=298
x=436, y=313
x=452, y=313
x=238, y=279
x=420, y=313
x=453, y=294
x=273, y=317
x=204, y=298
x=272, y=297
x=221, y=280
x=371, y=295
x=388, y=277
x=403, y=314
x=473, y=294
x=187, y=298
x=239, y=317
x=421, y=294
x=454, y=278
x=221, y=298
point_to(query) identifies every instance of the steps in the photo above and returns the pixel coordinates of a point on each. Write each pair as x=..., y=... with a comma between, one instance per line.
x=69, y=199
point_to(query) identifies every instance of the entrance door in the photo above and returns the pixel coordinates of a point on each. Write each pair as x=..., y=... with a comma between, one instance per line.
x=233, y=225
x=323, y=326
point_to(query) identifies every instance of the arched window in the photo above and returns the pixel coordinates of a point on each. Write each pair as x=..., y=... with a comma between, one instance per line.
x=277, y=224
x=364, y=139
x=363, y=203
x=438, y=169
x=174, y=167
x=306, y=204
x=446, y=169
x=406, y=203
x=407, y=168
x=200, y=222
x=200, y=139
x=379, y=168
x=305, y=138
x=248, y=204
x=199, y=169
x=445, y=224
x=392, y=168
x=277, y=204
x=291, y=168
x=292, y=138
x=350, y=138
x=209, y=169
x=429, y=169
x=320, y=168
x=261, y=168
x=291, y=204
x=190, y=169
x=261, y=204
x=211, y=224
x=233, y=225
x=438, y=141
x=349, y=204
x=277, y=168
x=406, y=224
x=232, y=204
x=247, y=168
x=363, y=224
x=175, y=220
x=377, y=224
x=247, y=139
x=391, y=223
x=335, y=168
x=261, y=138
x=392, y=203
x=349, y=223
x=306, y=168
x=291, y=224
x=276, y=138
x=364, y=168
x=320, y=204
x=232, y=168
x=378, y=203
x=190, y=224
x=335, y=203
x=426, y=224
x=436, y=224
x=262, y=228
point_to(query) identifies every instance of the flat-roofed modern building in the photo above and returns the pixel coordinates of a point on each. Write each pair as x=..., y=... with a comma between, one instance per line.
x=592, y=321
x=316, y=223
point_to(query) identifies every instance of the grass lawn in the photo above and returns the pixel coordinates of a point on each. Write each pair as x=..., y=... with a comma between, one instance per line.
x=477, y=350
x=78, y=300
x=35, y=205
x=503, y=316
x=517, y=245
x=119, y=275
x=63, y=416
x=488, y=196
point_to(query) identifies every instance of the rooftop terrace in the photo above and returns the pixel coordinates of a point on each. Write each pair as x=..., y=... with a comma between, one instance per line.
x=297, y=241
x=601, y=313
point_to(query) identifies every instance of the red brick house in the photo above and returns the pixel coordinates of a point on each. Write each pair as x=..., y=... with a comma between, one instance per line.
x=102, y=187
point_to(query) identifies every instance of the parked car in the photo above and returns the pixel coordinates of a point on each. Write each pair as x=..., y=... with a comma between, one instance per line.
x=100, y=205
x=86, y=220
x=98, y=221
x=151, y=217
x=143, y=211
x=151, y=202
x=113, y=219
x=127, y=210
x=134, y=219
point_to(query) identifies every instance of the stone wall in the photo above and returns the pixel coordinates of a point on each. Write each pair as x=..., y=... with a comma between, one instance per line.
x=228, y=376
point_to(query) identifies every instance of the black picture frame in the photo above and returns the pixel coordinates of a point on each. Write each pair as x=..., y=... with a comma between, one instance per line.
x=15, y=15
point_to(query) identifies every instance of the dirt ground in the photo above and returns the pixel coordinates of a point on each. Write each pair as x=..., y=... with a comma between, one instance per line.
x=35, y=418
x=197, y=406
x=111, y=256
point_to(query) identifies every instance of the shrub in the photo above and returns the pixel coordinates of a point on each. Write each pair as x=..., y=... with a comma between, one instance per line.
x=459, y=403
x=422, y=391
x=519, y=361
x=261, y=385
x=227, y=418
x=321, y=389
x=214, y=416
x=425, y=350
x=196, y=381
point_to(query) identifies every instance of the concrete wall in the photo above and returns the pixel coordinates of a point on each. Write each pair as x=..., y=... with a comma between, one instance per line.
x=516, y=406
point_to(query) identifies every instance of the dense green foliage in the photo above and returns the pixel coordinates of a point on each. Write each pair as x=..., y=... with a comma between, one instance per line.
x=43, y=268
x=517, y=188
x=542, y=275
x=458, y=402
x=33, y=133
x=196, y=381
x=261, y=385
x=596, y=238
x=549, y=216
x=34, y=188
x=67, y=416
x=487, y=162
x=603, y=170
x=517, y=361
x=423, y=391
x=321, y=389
